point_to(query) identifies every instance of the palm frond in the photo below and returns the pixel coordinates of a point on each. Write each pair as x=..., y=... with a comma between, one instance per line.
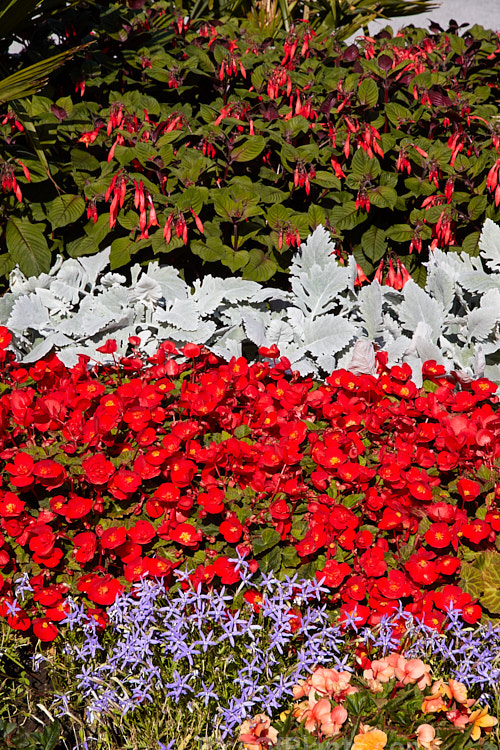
x=29, y=80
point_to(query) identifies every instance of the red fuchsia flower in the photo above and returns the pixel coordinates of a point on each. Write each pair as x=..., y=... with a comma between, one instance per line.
x=403, y=162
x=90, y=136
x=98, y=470
x=279, y=79
x=104, y=590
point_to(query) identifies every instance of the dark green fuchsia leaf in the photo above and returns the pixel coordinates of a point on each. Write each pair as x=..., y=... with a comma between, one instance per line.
x=368, y=92
x=27, y=246
x=374, y=244
x=249, y=150
x=64, y=210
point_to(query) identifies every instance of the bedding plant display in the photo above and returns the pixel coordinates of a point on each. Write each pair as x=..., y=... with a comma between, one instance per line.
x=249, y=424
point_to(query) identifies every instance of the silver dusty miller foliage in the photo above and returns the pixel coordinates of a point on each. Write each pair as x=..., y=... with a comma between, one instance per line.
x=322, y=324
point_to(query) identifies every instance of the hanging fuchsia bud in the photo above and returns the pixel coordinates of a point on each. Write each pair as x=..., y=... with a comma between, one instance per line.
x=405, y=276
x=25, y=169
x=197, y=221
x=391, y=276
x=379, y=272
x=111, y=188
x=167, y=229
x=153, y=221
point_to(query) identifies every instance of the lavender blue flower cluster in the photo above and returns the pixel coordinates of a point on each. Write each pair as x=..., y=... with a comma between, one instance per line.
x=233, y=662
x=204, y=655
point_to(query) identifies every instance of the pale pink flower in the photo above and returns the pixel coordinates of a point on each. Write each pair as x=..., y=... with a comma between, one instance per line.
x=332, y=723
x=432, y=704
x=382, y=669
x=458, y=718
x=426, y=737
x=301, y=690
x=458, y=691
x=320, y=716
x=414, y=672
x=324, y=681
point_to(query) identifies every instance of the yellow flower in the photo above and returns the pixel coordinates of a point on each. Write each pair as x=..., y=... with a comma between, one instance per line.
x=481, y=720
x=374, y=739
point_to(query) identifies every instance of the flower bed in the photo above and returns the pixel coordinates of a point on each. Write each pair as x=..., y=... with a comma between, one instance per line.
x=384, y=494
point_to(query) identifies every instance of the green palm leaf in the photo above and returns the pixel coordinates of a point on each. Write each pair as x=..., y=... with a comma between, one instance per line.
x=29, y=80
x=15, y=13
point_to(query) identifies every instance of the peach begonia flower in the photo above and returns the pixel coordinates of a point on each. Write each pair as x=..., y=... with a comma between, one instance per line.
x=426, y=737
x=330, y=682
x=299, y=710
x=257, y=733
x=372, y=739
x=458, y=718
x=301, y=690
x=458, y=691
x=321, y=717
x=481, y=720
x=432, y=704
x=381, y=670
x=452, y=689
x=326, y=683
x=413, y=672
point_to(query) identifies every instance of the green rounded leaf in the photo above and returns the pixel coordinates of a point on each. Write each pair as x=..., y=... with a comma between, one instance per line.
x=27, y=246
x=400, y=233
x=259, y=267
x=123, y=249
x=64, y=210
x=368, y=92
x=471, y=580
x=249, y=150
x=374, y=244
